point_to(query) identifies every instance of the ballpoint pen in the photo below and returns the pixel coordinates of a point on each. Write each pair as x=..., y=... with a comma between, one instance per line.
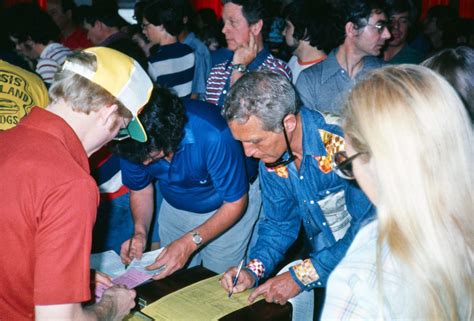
x=236, y=278
x=129, y=249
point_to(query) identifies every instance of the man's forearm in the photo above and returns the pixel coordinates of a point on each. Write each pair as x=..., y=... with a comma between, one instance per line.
x=142, y=205
x=225, y=217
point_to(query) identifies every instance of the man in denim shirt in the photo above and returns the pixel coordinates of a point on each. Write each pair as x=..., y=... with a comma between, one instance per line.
x=296, y=147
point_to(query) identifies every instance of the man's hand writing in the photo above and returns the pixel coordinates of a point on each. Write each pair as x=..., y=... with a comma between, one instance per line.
x=136, y=250
x=244, y=282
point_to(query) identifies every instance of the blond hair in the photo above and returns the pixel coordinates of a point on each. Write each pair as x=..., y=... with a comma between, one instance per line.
x=80, y=93
x=417, y=133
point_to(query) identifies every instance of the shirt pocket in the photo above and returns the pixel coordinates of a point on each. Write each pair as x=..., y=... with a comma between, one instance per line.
x=333, y=206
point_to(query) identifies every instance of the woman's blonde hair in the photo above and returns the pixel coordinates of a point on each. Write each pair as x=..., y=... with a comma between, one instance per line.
x=418, y=136
x=83, y=95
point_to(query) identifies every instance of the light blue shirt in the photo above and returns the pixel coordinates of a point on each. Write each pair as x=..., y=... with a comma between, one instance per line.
x=324, y=85
x=202, y=64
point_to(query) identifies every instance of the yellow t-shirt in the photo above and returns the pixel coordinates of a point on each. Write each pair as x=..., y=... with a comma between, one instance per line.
x=20, y=90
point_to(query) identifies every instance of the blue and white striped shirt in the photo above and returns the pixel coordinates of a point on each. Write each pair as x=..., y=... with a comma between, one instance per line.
x=172, y=66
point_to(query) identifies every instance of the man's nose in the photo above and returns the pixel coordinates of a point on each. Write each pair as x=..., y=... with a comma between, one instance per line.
x=386, y=33
x=249, y=149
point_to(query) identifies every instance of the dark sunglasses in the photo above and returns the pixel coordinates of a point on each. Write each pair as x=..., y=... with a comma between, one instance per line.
x=342, y=164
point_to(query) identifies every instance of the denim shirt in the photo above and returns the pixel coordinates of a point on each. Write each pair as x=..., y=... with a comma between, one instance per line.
x=324, y=85
x=331, y=209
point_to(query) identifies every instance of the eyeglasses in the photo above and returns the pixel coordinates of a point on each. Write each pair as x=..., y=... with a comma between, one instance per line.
x=123, y=132
x=282, y=161
x=145, y=24
x=155, y=156
x=379, y=26
x=342, y=164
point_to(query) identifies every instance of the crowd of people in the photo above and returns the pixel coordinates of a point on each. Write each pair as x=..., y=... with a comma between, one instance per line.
x=341, y=126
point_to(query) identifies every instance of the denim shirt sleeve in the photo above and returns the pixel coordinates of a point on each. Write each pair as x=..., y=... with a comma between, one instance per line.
x=280, y=225
x=202, y=68
x=325, y=260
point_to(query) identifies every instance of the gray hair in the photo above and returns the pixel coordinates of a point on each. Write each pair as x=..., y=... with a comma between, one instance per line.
x=264, y=94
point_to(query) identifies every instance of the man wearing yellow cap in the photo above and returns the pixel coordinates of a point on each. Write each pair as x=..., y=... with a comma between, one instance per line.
x=49, y=200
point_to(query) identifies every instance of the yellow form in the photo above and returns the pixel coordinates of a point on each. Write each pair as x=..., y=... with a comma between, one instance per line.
x=205, y=300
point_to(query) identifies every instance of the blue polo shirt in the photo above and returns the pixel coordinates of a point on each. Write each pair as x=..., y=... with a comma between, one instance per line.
x=207, y=169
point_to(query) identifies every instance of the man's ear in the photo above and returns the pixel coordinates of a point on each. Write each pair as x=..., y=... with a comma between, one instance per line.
x=351, y=30
x=256, y=27
x=107, y=113
x=99, y=24
x=289, y=122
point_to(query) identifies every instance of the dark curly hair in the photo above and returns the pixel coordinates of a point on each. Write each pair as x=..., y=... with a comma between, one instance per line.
x=315, y=21
x=163, y=118
x=164, y=12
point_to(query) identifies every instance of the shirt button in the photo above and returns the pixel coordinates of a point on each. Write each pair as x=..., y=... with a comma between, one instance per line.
x=301, y=177
x=311, y=202
x=304, y=201
x=311, y=238
x=224, y=92
x=324, y=223
x=328, y=192
x=319, y=283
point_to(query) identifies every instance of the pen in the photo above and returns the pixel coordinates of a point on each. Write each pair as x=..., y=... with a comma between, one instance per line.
x=236, y=278
x=129, y=249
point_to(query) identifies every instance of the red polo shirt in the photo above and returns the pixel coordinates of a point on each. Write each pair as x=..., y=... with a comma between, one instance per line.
x=48, y=205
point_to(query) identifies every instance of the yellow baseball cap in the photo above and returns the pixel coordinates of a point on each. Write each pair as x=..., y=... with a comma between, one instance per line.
x=122, y=77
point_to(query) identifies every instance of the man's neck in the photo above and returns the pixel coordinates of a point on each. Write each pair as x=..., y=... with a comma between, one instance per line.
x=350, y=59
x=109, y=33
x=392, y=51
x=307, y=53
x=168, y=40
x=76, y=121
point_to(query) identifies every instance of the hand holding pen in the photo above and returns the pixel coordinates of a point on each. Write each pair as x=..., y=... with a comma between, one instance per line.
x=128, y=252
x=132, y=248
x=236, y=279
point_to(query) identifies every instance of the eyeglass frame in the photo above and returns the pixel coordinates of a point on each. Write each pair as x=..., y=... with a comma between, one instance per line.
x=379, y=26
x=123, y=132
x=281, y=161
x=145, y=25
x=339, y=168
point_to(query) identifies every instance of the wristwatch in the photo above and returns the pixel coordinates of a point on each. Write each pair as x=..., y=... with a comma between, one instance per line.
x=240, y=68
x=197, y=238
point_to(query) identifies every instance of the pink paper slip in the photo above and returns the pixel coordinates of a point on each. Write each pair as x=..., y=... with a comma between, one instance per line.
x=130, y=279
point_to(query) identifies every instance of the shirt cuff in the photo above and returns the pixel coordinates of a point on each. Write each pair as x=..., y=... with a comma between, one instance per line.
x=256, y=266
x=305, y=275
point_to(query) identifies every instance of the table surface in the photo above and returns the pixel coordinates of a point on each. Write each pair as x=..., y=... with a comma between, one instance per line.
x=150, y=292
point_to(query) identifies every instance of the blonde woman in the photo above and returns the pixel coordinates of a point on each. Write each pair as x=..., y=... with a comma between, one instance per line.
x=410, y=147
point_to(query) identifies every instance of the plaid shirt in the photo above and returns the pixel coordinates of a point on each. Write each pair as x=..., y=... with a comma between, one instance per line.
x=352, y=291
